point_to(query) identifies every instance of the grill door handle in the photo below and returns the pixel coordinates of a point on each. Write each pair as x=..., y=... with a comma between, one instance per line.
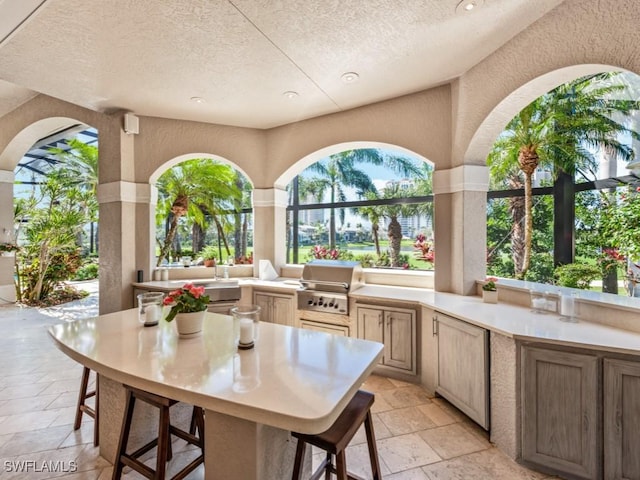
x=434, y=326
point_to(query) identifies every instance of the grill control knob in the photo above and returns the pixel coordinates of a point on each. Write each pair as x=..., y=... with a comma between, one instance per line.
x=310, y=302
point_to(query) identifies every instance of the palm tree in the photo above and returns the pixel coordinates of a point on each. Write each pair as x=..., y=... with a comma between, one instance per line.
x=80, y=163
x=558, y=131
x=341, y=171
x=372, y=213
x=196, y=188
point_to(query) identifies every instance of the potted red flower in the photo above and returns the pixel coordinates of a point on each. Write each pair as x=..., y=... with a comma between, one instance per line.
x=188, y=306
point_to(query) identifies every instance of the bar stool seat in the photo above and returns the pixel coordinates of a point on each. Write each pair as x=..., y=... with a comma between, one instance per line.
x=334, y=441
x=163, y=441
x=84, y=408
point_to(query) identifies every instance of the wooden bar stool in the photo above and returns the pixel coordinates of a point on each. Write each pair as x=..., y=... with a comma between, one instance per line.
x=335, y=440
x=163, y=441
x=84, y=408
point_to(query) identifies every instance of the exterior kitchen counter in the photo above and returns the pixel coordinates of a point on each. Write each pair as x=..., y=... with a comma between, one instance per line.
x=292, y=380
x=510, y=320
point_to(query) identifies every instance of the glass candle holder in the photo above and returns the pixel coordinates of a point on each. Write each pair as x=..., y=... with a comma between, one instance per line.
x=568, y=307
x=246, y=319
x=150, y=308
x=538, y=302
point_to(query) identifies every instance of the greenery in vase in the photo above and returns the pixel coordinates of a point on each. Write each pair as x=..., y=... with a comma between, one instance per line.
x=187, y=299
x=490, y=284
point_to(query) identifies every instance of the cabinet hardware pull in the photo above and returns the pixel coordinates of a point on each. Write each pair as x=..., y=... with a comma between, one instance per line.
x=434, y=326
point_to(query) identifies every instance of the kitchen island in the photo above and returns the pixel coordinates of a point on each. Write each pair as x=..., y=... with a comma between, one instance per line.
x=292, y=380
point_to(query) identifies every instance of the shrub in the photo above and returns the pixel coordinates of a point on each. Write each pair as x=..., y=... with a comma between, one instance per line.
x=88, y=271
x=576, y=275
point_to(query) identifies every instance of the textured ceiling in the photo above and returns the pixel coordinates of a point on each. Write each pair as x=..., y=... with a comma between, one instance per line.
x=242, y=55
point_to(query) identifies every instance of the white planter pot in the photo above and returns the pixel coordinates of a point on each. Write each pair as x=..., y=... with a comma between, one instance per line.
x=490, y=296
x=190, y=324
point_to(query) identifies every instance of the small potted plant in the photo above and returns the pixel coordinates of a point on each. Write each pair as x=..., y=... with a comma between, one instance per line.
x=208, y=255
x=188, y=306
x=490, y=290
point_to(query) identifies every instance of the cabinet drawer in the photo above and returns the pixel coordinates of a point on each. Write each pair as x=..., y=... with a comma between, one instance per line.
x=325, y=327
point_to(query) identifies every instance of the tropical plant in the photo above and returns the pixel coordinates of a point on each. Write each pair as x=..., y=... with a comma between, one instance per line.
x=560, y=131
x=199, y=189
x=52, y=220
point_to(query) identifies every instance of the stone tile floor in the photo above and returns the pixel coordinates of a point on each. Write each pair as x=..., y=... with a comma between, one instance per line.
x=418, y=437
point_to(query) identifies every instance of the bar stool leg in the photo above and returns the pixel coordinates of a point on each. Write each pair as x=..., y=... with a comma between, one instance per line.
x=164, y=453
x=84, y=383
x=373, y=451
x=328, y=463
x=96, y=415
x=297, y=465
x=341, y=466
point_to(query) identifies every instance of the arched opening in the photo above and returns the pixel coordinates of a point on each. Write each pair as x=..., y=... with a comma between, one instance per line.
x=555, y=169
x=203, y=212
x=54, y=217
x=361, y=201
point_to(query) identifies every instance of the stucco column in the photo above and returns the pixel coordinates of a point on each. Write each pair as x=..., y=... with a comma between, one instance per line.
x=269, y=226
x=124, y=239
x=460, y=200
x=7, y=288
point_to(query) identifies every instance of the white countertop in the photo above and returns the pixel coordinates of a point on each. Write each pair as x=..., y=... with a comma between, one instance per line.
x=293, y=379
x=509, y=320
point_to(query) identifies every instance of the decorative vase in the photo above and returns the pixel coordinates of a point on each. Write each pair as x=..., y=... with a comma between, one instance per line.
x=190, y=324
x=490, y=296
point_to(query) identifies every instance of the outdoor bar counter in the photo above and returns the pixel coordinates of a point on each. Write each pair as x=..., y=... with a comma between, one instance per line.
x=292, y=380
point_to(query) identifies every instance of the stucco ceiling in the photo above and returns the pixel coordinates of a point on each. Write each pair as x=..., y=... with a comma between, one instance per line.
x=240, y=56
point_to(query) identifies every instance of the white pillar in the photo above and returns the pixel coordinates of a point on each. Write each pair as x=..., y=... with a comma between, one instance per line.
x=7, y=264
x=269, y=226
x=460, y=200
x=125, y=227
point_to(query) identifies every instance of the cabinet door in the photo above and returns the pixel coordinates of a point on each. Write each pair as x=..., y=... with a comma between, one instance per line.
x=282, y=310
x=621, y=419
x=560, y=423
x=264, y=302
x=463, y=367
x=399, y=339
x=370, y=324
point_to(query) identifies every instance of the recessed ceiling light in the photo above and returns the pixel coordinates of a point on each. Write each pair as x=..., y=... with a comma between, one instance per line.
x=198, y=100
x=350, y=77
x=468, y=5
x=290, y=94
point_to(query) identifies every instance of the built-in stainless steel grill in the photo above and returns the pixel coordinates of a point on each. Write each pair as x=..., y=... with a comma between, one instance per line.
x=326, y=285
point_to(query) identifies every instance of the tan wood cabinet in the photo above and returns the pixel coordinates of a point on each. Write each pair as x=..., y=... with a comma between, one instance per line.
x=275, y=307
x=621, y=419
x=560, y=412
x=396, y=329
x=463, y=366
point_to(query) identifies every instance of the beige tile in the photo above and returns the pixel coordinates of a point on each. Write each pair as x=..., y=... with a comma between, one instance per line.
x=405, y=452
x=380, y=405
x=406, y=420
x=62, y=386
x=399, y=383
x=437, y=414
x=34, y=441
x=450, y=409
x=25, y=422
x=20, y=405
x=67, y=399
x=22, y=391
x=453, y=440
x=488, y=464
x=358, y=462
x=64, y=416
x=413, y=474
x=409, y=396
x=376, y=383
x=380, y=431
